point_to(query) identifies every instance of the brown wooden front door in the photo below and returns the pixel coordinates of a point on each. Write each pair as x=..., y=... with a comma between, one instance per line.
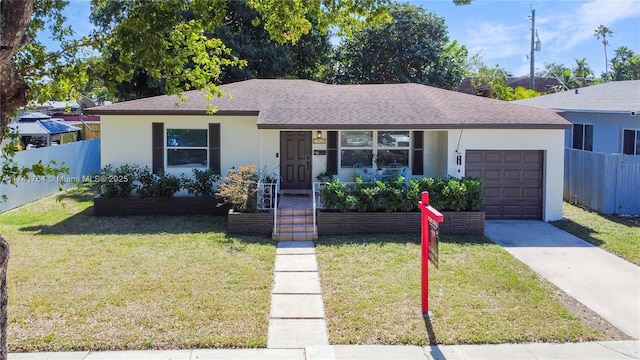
x=295, y=159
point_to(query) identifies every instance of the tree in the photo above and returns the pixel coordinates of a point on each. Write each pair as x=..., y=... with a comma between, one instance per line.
x=413, y=47
x=582, y=69
x=625, y=65
x=601, y=33
x=564, y=75
x=261, y=57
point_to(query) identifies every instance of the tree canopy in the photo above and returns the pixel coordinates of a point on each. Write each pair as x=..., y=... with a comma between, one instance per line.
x=625, y=65
x=258, y=55
x=414, y=47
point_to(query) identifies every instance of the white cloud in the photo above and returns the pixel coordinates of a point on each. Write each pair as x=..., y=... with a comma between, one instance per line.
x=568, y=31
x=495, y=41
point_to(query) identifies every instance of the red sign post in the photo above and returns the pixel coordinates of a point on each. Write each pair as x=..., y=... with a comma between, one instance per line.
x=429, y=241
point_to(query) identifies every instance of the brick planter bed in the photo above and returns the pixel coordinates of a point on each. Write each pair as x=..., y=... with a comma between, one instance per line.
x=257, y=223
x=181, y=205
x=339, y=223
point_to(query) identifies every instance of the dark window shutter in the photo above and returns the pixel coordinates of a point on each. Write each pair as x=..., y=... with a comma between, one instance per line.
x=214, y=147
x=332, y=152
x=417, y=166
x=157, y=147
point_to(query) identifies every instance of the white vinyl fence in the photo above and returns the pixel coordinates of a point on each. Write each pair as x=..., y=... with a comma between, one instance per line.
x=606, y=183
x=82, y=158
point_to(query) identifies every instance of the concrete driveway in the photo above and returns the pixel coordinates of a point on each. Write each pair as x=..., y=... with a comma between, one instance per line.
x=605, y=283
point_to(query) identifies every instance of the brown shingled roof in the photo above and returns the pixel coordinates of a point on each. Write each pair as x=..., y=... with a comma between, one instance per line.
x=304, y=104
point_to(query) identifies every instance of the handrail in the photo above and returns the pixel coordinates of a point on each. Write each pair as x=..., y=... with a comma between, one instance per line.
x=275, y=207
x=315, y=188
x=313, y=194
x=267, y=198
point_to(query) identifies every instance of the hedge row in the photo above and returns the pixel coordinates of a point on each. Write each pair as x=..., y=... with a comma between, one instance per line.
x=400, y=194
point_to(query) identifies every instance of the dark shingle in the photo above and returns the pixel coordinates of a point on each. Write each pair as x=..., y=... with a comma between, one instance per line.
x=307, y=104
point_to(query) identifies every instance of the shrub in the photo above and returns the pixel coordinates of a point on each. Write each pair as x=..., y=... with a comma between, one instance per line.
x=336, y=195
x=392, y=194
x=202, y=183
x=475, y=196
x=152, y=185
x=117, y=182
x=367, y=196
x=240, y=189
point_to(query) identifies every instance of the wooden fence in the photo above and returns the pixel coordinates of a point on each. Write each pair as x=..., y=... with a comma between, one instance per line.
x=606, y=183
x=81, y=157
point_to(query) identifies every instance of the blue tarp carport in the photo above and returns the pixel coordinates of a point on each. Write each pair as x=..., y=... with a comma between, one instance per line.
x=41, y=126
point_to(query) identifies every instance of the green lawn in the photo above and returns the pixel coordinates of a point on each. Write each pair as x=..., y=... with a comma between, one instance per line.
x=619, y=235
x=480, y=294
x=79, y=282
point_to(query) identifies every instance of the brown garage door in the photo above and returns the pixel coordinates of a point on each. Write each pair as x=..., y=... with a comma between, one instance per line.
x=512, y=182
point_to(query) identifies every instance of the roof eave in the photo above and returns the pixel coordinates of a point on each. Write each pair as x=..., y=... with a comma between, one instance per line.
x=412, y=126
x=585, y=111
x=169, y=112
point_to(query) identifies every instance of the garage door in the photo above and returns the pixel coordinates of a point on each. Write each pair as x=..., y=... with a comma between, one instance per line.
x=512, y=182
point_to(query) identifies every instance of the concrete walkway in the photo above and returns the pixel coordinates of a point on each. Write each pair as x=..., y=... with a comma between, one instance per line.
x=605, y=283
x=297, y=310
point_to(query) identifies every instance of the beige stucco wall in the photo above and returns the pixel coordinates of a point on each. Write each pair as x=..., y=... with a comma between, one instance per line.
x=127, y=139
x=551, y=142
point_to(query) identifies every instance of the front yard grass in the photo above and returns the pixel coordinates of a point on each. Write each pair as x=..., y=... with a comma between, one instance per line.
x=480, y=294
x=79, y=282
x=619, y=235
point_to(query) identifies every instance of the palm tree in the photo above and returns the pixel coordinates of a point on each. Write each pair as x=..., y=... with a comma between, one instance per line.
x=602, y=32
x=582, y=69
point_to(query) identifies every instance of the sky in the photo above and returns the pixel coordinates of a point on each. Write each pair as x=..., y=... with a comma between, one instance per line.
x=501, y=30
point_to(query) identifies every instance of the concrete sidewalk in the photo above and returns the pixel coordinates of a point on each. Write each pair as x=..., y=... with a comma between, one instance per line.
x=603, y=282
x=609, y=350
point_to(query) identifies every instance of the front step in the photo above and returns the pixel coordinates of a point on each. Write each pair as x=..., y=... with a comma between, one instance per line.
x=294, y=224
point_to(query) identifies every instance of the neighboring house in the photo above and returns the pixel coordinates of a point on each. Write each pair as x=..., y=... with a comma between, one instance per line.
x=40, y=130
x=300, y=128
x=69, y=111
x=605, y=117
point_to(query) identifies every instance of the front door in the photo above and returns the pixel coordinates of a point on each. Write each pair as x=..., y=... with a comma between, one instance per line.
x=295, y=159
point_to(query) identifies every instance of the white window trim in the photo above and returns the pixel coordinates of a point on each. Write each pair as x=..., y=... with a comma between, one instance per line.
x=375, y=146
x=167, y=148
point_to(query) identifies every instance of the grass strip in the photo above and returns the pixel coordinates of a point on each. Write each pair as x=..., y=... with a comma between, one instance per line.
x=619, y=235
